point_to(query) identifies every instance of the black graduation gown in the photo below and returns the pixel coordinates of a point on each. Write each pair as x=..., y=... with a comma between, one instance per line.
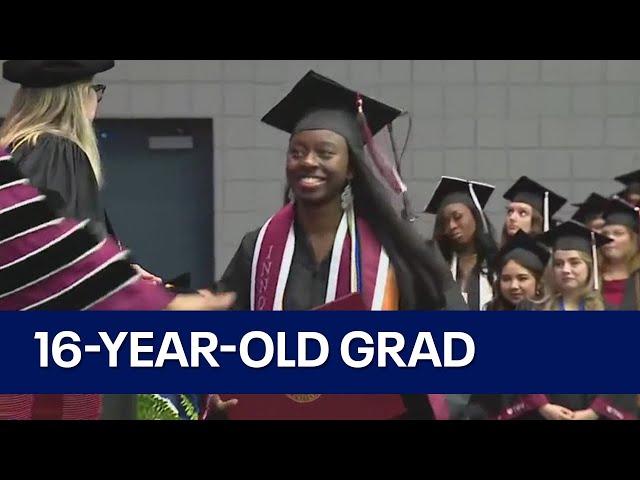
x=310, y=286
x=308, y=290
x=61, y=170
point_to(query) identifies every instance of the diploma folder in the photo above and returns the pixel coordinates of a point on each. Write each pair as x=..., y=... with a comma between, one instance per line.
x=316, y=406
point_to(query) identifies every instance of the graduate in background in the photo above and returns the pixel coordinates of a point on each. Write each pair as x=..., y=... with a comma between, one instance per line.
x=520, y=268
x=621, y=257
x=575, y=287
x=591, y=212
x=575, y=279
x=48, y=262
x=631, y=193
x=531, y=208
x=338, y=235
x=464, y=236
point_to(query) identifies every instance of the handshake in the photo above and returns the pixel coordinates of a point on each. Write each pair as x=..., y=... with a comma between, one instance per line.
x=187, y=299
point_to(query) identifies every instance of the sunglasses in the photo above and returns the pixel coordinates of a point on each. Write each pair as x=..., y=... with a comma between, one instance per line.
x=99, y=89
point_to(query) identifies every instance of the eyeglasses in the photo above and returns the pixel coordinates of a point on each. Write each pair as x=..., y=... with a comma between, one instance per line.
x=99, y=89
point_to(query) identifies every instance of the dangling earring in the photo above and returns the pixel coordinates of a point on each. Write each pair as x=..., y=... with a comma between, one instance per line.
x=291, y=196
x=347, y=197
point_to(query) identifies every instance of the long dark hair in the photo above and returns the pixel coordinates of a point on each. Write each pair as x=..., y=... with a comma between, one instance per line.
x=500, y=303
x=420, y=276
x=484, y=243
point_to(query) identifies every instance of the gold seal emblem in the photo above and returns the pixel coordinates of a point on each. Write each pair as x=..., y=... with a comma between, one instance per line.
x=303, y=398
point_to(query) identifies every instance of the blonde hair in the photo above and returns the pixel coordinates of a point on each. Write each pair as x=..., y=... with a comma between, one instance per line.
x=58, y=111
x=592, y=298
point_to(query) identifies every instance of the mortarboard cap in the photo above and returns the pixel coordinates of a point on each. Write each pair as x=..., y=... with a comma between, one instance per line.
x=620, y=212
x=629, y=179
x=52, y=73
x=593, y=207
x=572, y=235
x=545, y=201
x=458, y=190
x=317, y=102
x=525, y=250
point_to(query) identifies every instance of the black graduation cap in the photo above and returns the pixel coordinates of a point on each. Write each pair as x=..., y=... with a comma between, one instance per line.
x=593, y=207
x=532, y=193
x=525, y=250
x=629, y=179
x=317, y=102
x=620, y=212
x=572, y=235
x=458, y=190
x=52, y=73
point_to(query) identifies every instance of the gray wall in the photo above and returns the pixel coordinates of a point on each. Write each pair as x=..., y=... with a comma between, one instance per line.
x=573, y=125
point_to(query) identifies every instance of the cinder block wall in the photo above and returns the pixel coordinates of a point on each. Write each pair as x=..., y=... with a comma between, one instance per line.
x=573, y=125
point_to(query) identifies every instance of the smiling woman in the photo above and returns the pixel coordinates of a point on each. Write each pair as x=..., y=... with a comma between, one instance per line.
x=520, y=268
x=338, y=234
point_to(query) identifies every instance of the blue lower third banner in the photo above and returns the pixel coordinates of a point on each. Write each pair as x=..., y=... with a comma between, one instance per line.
x=320, y=352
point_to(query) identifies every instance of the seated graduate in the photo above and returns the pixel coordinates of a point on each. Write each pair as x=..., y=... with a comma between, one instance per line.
x=338, y=235
x=531, y=208
x=591, y=212
x=575, y=279
x=464, y=236
x=621, y=257
x=575, y=287
x=631, y=192
x=520, y=269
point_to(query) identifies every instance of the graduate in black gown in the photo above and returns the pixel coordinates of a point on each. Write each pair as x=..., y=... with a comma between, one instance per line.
x=338, y=235
x=631, y=192
x=531, y=208
x=317, y=104
x=464, y=236
x=591, y=212
x=621, y=258
x=569, y=241
x=520, y=268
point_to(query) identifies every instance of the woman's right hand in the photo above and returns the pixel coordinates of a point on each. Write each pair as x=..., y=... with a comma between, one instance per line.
x=203, y=300
x=555, y=412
